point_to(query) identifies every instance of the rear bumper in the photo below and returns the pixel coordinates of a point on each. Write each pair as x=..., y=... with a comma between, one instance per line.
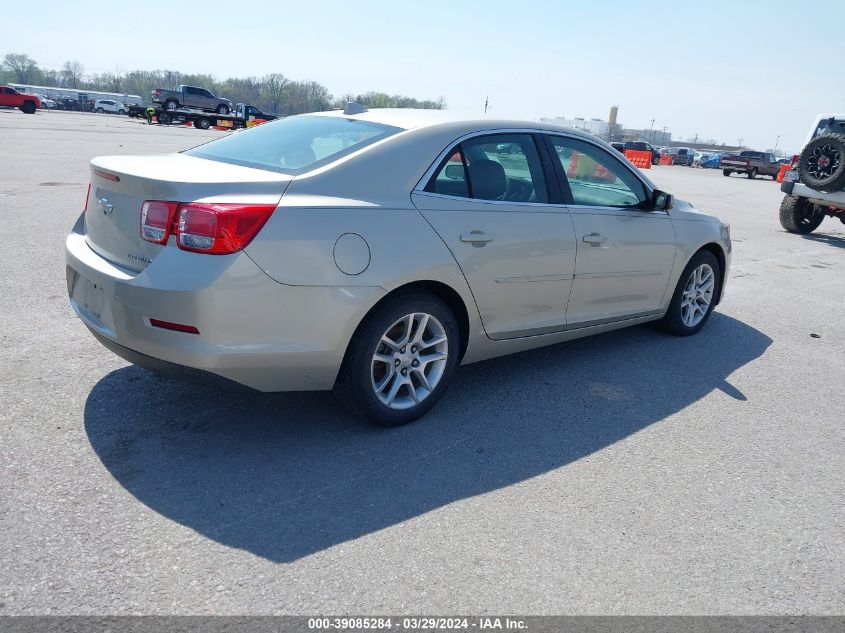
x=253, y=331
x=833, y=199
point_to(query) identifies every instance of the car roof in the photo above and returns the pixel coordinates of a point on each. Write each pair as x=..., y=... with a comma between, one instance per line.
x=414, y=119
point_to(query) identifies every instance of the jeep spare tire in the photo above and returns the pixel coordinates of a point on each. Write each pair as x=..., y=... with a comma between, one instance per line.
x=822, y=163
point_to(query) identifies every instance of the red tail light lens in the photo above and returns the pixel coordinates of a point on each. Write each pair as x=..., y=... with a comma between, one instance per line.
x=216, y=229
x=219, y=229
x=157, y=220
x=795, y=160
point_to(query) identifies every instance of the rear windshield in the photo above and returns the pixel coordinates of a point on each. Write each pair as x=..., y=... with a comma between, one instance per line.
x=751, y=154
x=294, y=145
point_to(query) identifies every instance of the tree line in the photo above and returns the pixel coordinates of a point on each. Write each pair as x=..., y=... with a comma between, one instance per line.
x=272, y=92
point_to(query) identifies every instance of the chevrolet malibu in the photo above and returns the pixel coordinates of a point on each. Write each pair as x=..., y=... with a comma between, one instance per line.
x=371, y=252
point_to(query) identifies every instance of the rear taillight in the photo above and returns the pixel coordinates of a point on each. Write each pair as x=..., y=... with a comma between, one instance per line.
x=157, y=220
x=158, y=92
x=216, y=229
x=87, y=197
x=795, y=160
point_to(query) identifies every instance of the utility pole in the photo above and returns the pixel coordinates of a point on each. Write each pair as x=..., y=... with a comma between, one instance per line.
x=650, y=131
x=740, y=139
x=777, y=140
x=695, y=140
x=486, y=104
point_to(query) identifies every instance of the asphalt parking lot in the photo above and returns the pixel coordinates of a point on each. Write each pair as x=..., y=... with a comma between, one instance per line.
x=628, y=473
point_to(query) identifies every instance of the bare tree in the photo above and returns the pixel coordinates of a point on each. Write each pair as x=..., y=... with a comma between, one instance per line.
x=22, y=65
x=273, y=87
x=72, y=73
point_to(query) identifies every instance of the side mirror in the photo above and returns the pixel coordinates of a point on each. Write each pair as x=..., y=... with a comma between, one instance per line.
x=660, y=200
x=455, y=172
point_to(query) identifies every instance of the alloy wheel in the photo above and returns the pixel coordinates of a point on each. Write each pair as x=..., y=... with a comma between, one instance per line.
x=823, y=161
x=409, y=360
x=697, y=295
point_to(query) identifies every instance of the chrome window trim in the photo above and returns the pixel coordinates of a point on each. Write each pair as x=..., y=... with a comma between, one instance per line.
x=420, y=186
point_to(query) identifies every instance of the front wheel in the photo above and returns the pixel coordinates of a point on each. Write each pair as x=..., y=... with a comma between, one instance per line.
x=222, y=109
x=202, y=124
x=400, y=359
x=695, y=295
x=121, y=111
x=726, y=172
x=798, y=215
x=100, y=111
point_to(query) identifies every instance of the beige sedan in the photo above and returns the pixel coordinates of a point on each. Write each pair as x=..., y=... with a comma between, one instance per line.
x=372, y=252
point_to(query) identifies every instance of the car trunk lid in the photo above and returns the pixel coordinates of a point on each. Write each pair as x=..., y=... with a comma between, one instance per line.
x=120, y=184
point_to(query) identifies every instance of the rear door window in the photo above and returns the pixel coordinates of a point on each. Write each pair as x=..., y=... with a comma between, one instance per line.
x=502, y=167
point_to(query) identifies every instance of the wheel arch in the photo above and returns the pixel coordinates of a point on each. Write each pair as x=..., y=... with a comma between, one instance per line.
x=719, y=253
x=442, y=291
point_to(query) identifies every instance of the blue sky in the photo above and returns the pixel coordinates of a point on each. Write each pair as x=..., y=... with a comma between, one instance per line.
x=723, y=70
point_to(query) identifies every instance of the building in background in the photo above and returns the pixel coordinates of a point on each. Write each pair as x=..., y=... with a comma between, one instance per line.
x=596, y=127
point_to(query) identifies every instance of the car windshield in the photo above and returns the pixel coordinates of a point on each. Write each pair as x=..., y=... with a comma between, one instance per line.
x=296, y=144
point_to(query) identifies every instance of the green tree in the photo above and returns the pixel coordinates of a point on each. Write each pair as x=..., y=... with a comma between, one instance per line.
x=23, y=66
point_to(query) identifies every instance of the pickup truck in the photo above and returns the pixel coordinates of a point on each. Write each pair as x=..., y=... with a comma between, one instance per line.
x=11, y=98
x=191, y=97
x=750, y=163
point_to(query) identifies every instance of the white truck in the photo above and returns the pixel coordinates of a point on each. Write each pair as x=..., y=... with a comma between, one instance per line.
x=191, y=97
x=815, y=183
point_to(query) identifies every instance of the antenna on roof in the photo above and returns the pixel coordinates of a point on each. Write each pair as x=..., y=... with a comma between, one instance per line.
x=355, y=108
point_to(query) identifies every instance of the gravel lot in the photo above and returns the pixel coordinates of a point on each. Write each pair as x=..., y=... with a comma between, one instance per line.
x=629, y=473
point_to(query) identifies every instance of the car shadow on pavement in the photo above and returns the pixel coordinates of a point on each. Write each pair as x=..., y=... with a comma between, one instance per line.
x=287, y=475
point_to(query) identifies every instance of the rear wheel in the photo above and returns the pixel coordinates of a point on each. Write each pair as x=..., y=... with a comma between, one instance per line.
x=695, y=295
x=100, y=111
x=222, y=109
x=171, y=104
x=202, y=124
x=752, y=174
x=726, y=172
x=798, y=215
x=400, y=359
x=164, y=118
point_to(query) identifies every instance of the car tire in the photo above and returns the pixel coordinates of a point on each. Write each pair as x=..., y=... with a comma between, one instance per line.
x=798, y=215
x=827, y=177
x=171, y=104
x=698, y=289
x=202, y=124
x=121, y=111
x=380, y=377
x=164, y=118
x=726, y=172
x=100, y=111
x=655, y=160
x=222, y=109
x=28, y=107
x=752, y=174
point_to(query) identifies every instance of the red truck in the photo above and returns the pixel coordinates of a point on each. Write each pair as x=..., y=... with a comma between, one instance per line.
x=750, y=163
x=11, y=98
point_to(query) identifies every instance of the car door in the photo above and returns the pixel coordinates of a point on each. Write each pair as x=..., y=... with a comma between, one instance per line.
x=491, y=202
x=206, y=99
x=625, y=251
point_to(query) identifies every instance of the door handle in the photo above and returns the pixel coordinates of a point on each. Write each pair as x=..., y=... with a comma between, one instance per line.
x=476, y=238
x=595, y=239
